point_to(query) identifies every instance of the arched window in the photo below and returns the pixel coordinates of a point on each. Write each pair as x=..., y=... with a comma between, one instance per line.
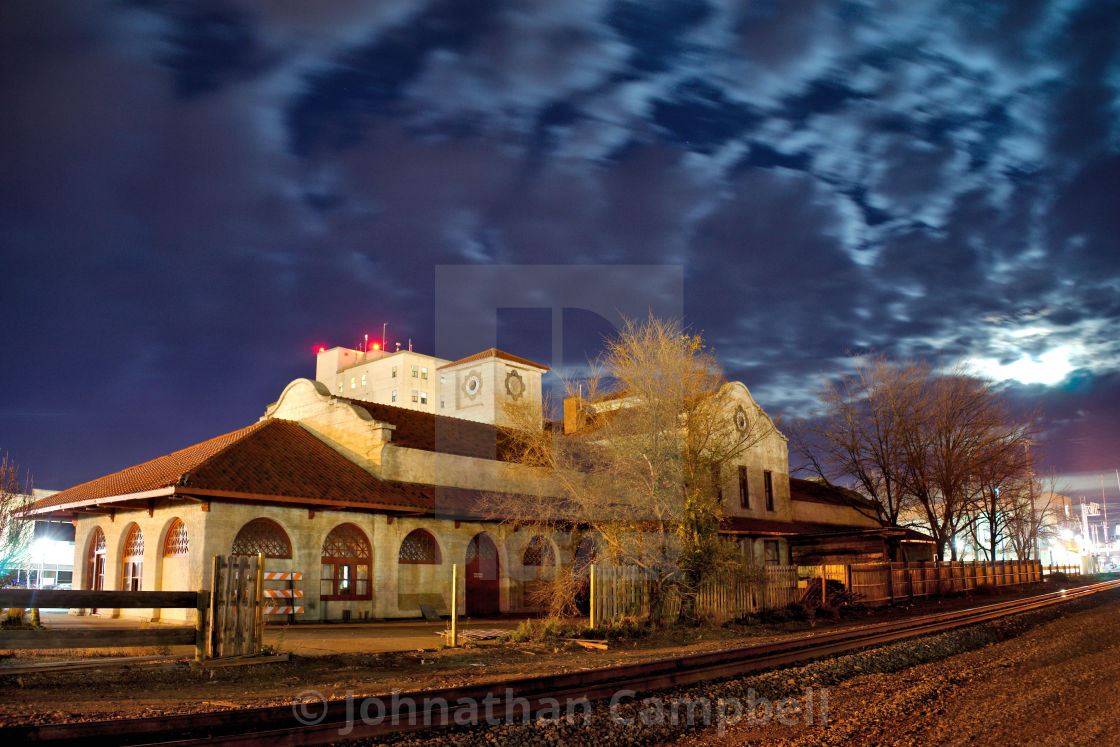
x=95, y=561
x=262, y=535
x=419, y=547
x=132, y=571
x=178, y=542
x=538, y=552
x=346, y=564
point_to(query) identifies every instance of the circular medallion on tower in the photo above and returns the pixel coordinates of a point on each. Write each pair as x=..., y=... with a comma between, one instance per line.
x=515, y=386
x=472, y=385
x=741, y=419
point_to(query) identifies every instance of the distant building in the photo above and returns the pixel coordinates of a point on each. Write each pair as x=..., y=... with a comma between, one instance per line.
x=471, y=388
x=49, y=561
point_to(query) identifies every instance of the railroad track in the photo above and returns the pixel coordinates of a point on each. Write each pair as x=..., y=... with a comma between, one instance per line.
x=331, y=721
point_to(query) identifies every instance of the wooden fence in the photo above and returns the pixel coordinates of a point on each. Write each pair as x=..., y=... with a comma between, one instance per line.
x=229, y=619
x=114, y=637
x=624, y=591
x=618, y=592
x=884, y=583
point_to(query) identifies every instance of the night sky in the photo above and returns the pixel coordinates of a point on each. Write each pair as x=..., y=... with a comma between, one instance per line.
x=195, y=195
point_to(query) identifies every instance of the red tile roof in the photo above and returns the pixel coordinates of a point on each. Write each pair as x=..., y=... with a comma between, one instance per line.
x=818, y=492
x=426, y=431
x=495, y=353
x=273, y=459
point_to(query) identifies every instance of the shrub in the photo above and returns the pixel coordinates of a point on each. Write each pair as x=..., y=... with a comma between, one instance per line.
x=798, y=611
x=827, y=612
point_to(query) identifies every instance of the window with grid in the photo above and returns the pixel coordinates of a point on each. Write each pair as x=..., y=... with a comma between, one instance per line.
x=345, y=564
x=419, y=547
x=262, y=535
x=744, y=488
x=768, y=489
x=538, y=552
x=95, y=561
x=424, y=372
x=178, y=542
x=133, y=569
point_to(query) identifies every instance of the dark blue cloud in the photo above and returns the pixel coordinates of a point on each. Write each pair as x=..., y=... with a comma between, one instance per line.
x=193, y=196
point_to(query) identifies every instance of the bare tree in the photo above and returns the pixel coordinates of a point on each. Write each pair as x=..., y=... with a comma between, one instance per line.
x=633, y=465
x=964, y=435
x=1034, y=511
x=15, y=496
x=922, y=445
x=860, y=437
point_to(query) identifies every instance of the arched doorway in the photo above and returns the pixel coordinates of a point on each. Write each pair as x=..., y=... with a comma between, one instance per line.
x=95, y=563
x=483, y=573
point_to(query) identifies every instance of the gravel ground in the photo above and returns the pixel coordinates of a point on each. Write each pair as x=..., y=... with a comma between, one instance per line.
x=177, y=687
x=1046, y=678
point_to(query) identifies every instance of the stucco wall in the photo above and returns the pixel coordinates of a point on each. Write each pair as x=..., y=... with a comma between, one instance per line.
x=159, y=573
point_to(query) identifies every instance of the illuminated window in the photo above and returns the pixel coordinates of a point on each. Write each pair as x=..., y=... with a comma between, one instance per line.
x=744, y=488
x=414, y=371
x=178, y=543
x=345, y=564
x=424, y=372
x=340, y=385
x=768, y=489
x=415, y=395
x=423, y=398
x=419, y=548
x=393, y=397
x=442, y=403
x=262, y=535
x=538, y=552
x=363, y=379
x=394, y=372
x=442, y=379
x=133, y=569
x=353, y=383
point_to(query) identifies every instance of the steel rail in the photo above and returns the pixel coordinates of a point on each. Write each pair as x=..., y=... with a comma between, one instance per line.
x=273, y=725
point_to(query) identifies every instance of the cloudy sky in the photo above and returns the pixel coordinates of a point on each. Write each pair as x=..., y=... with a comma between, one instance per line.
x=194, y=195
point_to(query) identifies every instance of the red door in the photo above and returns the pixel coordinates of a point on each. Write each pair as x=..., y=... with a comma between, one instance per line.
x=483, y=596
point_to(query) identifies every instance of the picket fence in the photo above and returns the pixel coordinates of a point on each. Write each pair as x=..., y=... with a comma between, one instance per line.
x=624, y=591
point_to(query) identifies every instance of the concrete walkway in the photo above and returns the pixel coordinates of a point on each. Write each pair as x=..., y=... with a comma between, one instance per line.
x=315, y=639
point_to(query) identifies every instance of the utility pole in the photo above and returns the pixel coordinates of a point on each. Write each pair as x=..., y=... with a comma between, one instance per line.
x=1035, y=525
x=1104, y=507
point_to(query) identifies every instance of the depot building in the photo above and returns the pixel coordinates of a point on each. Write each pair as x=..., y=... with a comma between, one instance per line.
x=369, y=480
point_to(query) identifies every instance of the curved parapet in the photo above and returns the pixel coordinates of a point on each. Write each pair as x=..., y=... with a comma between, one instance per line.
x=346, y=427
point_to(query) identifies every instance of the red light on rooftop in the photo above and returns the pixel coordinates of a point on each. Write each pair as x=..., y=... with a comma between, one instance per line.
x=375, y=346
x=320, y=349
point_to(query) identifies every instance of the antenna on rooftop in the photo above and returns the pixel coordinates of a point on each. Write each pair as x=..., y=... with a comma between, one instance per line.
x=410, y=344
x=384, y=326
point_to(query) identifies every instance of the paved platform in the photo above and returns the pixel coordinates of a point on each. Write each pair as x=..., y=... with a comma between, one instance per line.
x=315, y=639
